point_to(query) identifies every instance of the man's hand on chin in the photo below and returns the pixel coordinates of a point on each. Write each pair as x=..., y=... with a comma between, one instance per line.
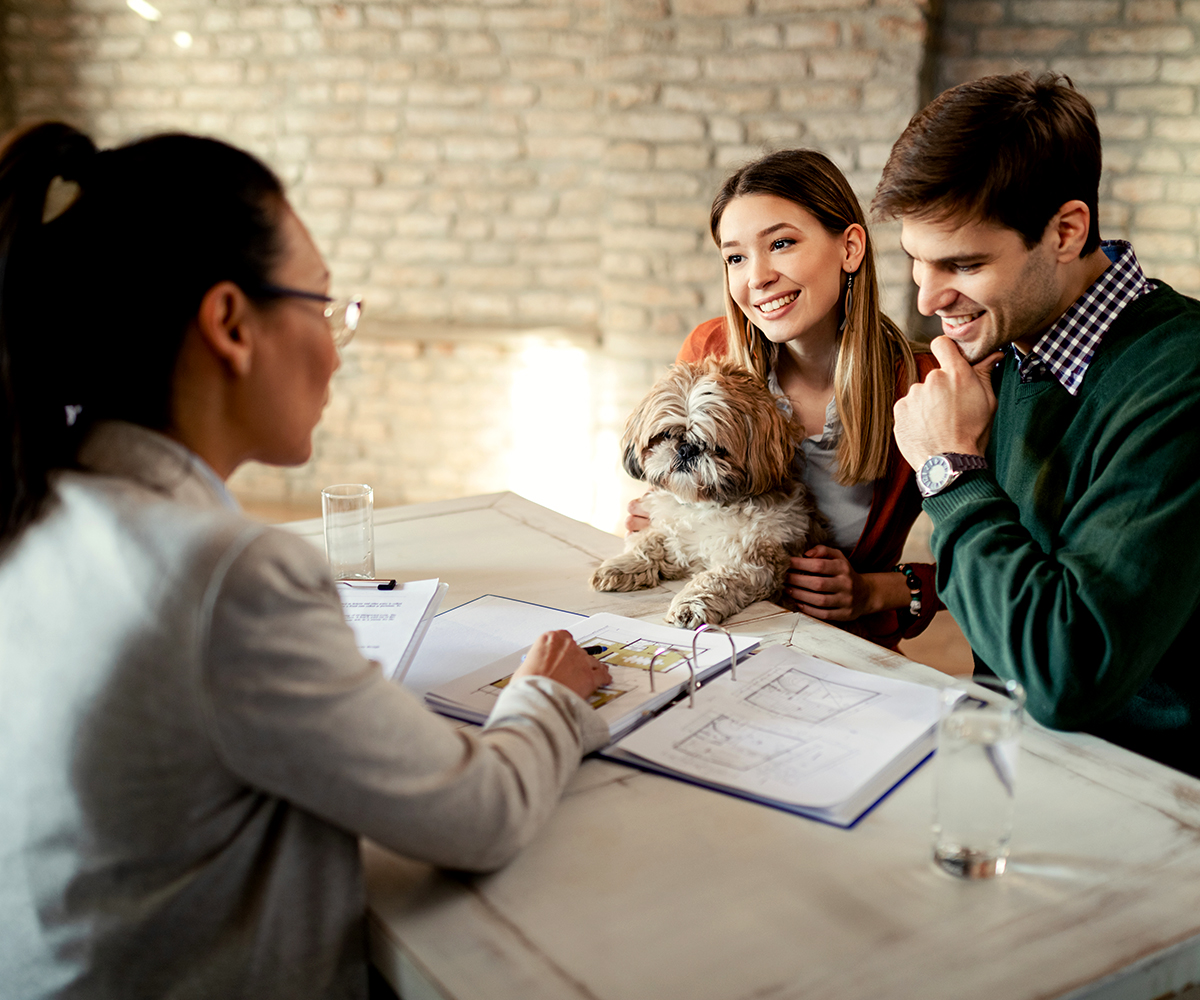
x=951, y=411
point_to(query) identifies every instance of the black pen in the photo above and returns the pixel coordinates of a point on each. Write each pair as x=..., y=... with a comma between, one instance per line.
x=593, y=650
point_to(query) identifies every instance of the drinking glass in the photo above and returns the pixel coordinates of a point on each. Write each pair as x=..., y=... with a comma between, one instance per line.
x=347, y=511
x=975, y=775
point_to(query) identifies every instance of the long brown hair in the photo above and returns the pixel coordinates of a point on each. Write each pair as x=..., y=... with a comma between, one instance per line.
x=864, y=381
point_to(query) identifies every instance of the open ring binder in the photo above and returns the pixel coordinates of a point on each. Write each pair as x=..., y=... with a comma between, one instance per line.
x=706, y=627
x=691, y=662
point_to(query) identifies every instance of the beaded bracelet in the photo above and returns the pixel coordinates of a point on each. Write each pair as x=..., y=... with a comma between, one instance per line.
x=914, y=588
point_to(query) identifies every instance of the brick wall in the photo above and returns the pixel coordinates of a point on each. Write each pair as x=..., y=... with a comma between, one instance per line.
x=694, y=89
x=435, y=415
x=1137, y=62
x=520, y=187
x=486, y=167
x=489, y=162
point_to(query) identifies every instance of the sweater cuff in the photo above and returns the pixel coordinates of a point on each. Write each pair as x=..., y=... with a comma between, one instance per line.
x=587, y=727
x=970, y=486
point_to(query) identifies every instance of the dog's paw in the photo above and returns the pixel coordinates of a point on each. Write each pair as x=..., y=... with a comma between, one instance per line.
x=612, y=576
x=691, y=613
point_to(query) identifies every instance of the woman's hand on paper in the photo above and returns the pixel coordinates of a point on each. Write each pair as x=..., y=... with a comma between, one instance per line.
x=556, y=655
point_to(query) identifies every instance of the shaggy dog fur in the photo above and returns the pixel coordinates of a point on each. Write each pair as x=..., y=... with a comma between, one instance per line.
x=727, y=508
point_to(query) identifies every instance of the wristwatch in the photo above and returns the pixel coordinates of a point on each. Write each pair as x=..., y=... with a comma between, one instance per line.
x=939, y=471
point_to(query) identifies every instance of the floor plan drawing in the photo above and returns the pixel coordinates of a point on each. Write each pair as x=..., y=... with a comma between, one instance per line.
x=738, y=745
x=626, y=646
x=729, y=743
x=599, y=697
x=799, y=695
x=793, y=731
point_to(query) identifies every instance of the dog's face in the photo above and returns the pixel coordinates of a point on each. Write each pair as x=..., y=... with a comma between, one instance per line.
x=710, y=432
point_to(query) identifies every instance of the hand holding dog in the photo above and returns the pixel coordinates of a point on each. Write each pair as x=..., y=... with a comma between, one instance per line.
x=556, y=655
x=826, y=587
x=951, y=411
x=638, y=519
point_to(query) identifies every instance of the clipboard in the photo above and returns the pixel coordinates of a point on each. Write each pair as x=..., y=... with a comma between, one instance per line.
x=390, y=620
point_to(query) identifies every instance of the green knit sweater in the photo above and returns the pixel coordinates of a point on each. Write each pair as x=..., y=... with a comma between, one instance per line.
x=1073, y=563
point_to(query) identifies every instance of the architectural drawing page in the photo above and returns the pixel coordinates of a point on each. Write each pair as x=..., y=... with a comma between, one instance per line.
x=791, y=728
x=628, y=648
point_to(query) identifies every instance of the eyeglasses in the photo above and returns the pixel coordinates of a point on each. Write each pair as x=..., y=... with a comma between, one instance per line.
x=341, y=314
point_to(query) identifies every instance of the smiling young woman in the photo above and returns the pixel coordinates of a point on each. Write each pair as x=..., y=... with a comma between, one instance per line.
x=802, y=311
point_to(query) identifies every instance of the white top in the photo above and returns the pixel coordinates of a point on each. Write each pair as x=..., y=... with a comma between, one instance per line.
x=845, y=507
x=192, y=742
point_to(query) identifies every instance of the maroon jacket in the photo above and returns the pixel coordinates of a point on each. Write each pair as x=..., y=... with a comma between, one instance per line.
x=894, y=507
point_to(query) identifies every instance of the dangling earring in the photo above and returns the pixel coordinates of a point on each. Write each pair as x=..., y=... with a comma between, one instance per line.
x=849, y=301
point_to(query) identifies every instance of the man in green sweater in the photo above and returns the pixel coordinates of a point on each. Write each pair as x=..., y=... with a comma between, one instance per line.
x=1058, y=447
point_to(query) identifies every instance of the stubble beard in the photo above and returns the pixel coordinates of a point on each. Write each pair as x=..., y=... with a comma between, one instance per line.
x=1029, y=310
x=974, y=353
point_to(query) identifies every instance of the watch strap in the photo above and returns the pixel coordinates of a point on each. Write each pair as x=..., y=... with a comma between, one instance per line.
x=964, y=463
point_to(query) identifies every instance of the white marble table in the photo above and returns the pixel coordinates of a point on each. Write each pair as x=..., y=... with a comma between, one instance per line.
x=643, y=888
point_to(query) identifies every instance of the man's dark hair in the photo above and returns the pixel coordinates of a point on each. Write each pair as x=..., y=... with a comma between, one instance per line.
x=1006, y=149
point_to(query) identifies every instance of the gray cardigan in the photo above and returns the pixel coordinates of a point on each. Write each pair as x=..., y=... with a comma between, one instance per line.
x=190, y=745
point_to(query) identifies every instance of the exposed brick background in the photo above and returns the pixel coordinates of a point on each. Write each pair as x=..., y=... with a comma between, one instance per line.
x=520, y=187
x=486, y=167
x=495, y=162
x=430, y=417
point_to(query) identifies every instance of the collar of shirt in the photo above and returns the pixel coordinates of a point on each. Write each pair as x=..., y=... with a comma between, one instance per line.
x=1065, y=350
x=830, y=434
x=217, y=484
x=119, y=448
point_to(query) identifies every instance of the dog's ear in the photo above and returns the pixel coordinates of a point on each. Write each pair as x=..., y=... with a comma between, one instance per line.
x=781, y=439
x=662, y=407
x=775, y=437
x=631, y=443
x=631, y=463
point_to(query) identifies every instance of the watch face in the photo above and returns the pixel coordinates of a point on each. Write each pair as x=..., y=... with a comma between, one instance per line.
x=935, y=473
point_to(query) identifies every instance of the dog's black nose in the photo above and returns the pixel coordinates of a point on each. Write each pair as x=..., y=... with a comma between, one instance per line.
x=687, y=452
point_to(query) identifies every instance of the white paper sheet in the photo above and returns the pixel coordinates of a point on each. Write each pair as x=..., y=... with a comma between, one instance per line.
x=389, y=624
x=464, y=638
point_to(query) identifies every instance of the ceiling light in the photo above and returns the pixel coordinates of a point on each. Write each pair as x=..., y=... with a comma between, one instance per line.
x=144, y=9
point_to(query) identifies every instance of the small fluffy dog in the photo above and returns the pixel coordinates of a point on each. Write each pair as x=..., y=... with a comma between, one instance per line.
x=727, y=508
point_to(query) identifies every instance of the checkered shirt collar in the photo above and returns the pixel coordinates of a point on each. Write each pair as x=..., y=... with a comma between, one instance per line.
x=1067, y=348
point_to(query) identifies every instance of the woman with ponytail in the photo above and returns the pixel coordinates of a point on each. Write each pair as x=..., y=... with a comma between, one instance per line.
x=802, y=311
x=191, y=742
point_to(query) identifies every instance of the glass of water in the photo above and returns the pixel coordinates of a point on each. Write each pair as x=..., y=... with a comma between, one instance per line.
x=347, y=511
x=975, y=776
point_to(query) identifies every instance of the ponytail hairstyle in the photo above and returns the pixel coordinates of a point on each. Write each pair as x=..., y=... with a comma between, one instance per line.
x=104, y=259
x=864, y=381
